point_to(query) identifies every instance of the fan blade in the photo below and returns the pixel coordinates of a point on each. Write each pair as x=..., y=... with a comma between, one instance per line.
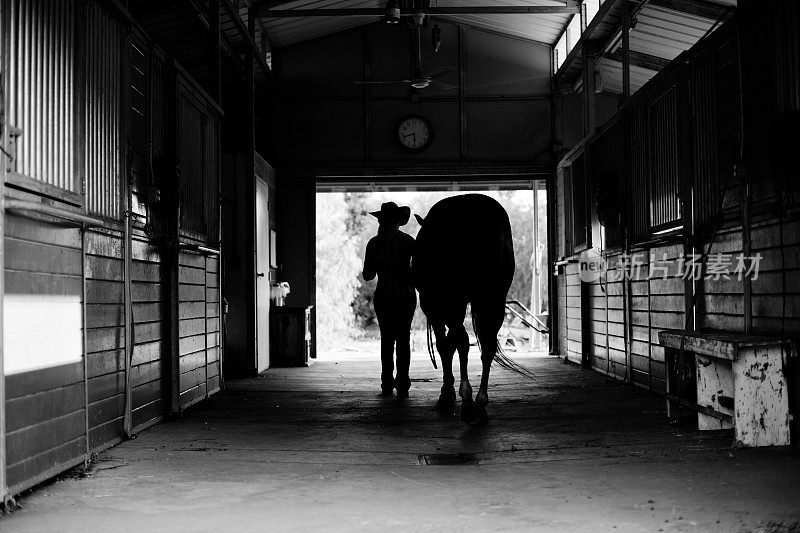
x=381, y=82
x=475, y=90
x=441, y=72
x=444, y=86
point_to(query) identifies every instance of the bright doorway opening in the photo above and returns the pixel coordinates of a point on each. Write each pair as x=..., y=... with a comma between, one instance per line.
x=346, y=324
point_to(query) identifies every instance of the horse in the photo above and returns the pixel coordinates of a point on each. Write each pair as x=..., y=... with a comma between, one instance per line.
x=464, y=254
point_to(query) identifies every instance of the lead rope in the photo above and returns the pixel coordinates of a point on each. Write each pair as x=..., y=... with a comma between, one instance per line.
x=430, y=346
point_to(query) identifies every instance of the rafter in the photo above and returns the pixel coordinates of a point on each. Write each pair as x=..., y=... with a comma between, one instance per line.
x=700, y=8
x=265, y=12
x=639, y=59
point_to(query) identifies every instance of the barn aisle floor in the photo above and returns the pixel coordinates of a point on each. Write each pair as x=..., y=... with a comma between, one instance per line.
x=317, y=449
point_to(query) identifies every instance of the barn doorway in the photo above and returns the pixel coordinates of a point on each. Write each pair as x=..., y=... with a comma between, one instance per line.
x=346, y=325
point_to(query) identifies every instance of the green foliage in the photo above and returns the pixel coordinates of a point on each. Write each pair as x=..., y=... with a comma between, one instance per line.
x=338, y=267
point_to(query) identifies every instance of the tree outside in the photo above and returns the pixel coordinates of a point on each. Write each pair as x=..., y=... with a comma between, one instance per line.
x=338, y=267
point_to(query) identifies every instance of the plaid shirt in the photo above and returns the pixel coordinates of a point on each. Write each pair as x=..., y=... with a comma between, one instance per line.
x=389, y=256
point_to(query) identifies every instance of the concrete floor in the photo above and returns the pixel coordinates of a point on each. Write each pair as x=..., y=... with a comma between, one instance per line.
x=317, y=449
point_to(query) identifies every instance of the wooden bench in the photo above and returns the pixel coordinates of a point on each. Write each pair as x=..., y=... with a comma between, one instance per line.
x=739, y=383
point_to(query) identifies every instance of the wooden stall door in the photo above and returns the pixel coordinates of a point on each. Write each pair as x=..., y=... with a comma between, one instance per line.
x=262, y=275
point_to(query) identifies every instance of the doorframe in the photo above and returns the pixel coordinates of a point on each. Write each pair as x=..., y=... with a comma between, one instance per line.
x=267, y=274
x=3, y=127
x=438, y=180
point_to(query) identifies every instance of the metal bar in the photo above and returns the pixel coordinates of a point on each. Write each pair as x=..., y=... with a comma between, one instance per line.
x=128, y=420
x=25, y=207
x=509, y=303
x=125, y=200
x=462, y=93
x=699, y=8
x=3, y=488
x=587, y=73
x=172, y=247
x=626, y=50
x=88, y=450
x=233, y=13
x=265, y=5
x=699, y=408
x=221, y=274
x=639, y=59
x=205, y=322
x=198, y=248
x=536, y=281
x=525, y=321
x=214, y=50
x=379, y=11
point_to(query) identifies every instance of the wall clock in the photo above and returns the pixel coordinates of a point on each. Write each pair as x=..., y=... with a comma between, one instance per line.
x=415, y=133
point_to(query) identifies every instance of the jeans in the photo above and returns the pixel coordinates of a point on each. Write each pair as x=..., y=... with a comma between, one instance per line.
x=395, y=314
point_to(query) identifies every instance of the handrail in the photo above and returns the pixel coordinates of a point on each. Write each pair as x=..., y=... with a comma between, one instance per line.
x=525, y=321
x=25, y=207
x=199, y=248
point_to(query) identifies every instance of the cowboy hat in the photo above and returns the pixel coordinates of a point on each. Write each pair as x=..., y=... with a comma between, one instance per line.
x=391, y=212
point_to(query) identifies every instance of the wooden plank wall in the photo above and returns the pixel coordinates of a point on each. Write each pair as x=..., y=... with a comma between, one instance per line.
x=606, y=321
x=213, y=325
x=667, y=306
x=561, y=279
x=45, y=407
x=776, y=295
x=641, y=335
x=105, y=337
x=192, y=327
x=597, y=313
x=720, y=302
x=199, y=327
x=150, y=368
x=561, y=309
x=65, y=295
x=615, y=295
x=574, y=340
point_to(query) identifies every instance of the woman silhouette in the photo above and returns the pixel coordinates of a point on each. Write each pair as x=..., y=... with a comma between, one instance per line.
x=389, y=257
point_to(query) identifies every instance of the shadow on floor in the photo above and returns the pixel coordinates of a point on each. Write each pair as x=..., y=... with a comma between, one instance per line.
x=316, y=448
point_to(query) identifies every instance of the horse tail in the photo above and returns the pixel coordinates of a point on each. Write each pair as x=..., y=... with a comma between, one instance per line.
x=430, y=346
x=500, y=357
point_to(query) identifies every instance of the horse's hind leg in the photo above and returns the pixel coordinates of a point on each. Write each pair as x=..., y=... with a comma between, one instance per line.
x=446, y=349
x=468, y=412
x=488, y=320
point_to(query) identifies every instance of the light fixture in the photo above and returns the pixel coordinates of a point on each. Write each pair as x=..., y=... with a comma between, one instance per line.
x=392, y=12
x=436, y=37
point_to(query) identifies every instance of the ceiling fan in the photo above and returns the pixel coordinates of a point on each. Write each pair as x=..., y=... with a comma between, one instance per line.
x=419, y=78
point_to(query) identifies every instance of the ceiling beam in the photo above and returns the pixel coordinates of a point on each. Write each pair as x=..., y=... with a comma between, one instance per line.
x=639, y=59
x=700, y=8
x=379, y=11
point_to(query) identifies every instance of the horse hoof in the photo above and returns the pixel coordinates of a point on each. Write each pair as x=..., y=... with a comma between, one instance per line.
x=445, y=405
x=483, y=416
x=469, y=413
x=473, y=415
x=447, y=399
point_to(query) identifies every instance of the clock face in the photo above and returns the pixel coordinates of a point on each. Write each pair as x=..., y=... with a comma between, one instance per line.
x=414, y=133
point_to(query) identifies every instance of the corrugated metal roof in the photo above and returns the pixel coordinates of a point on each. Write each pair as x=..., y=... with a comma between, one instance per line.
x=665, y=33
x=544, y=28
x=611, y=75
x=288, y=31
x=659, y=31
